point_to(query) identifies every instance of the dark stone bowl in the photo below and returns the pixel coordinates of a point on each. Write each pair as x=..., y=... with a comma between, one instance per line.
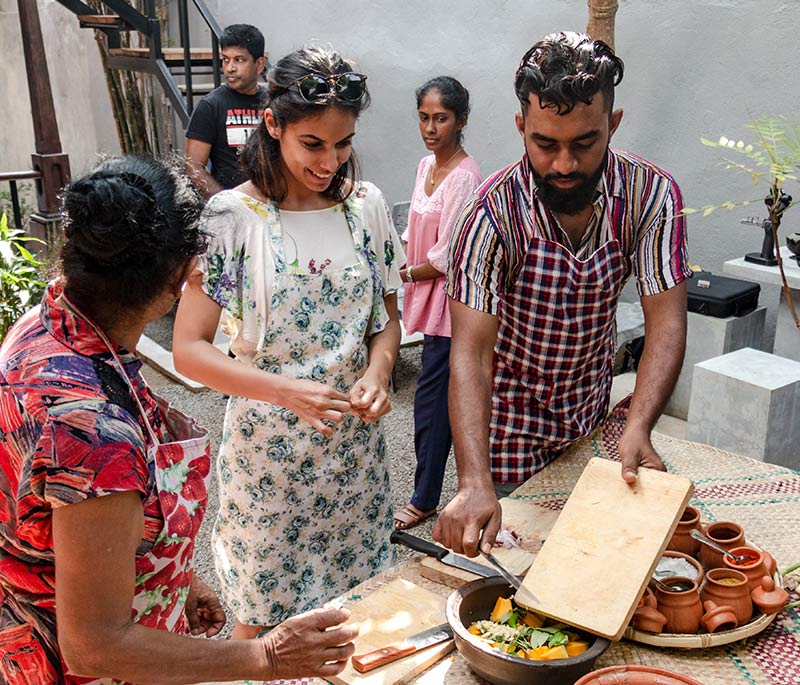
x=474, y=601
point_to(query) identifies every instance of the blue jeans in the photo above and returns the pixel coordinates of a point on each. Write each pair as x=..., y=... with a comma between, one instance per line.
x=432, y=436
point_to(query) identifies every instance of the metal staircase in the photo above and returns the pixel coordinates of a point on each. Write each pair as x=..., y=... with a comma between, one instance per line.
x=173, y=67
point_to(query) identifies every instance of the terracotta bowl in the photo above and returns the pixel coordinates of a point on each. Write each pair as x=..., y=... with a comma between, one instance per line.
x=474, y=601
x=630, y=674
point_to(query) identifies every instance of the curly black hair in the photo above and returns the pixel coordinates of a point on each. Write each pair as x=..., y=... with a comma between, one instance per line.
x=130, y=225
x=566, y=68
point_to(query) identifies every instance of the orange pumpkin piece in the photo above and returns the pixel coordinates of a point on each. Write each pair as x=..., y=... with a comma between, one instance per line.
x=522, y=653
x=532, y=620
x=473, y=630
x=537, y=652
x=501, y=607
x=553, y=653
x=576, y=647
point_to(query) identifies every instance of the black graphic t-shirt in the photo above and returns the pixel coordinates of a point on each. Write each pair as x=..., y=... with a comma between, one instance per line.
x=224, y=119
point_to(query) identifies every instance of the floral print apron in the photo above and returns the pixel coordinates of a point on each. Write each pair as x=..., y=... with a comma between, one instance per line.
x=303, y=517
x=180, y=468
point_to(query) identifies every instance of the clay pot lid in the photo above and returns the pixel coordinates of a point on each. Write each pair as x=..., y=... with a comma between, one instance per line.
x=631, y=674
x=768, y=598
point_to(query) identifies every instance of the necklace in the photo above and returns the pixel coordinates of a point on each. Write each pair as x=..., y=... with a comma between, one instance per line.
x=444, y=166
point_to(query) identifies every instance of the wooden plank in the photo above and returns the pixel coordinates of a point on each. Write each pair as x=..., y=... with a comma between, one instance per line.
x=170, y=54
x=604, y=547
x=531, y=522
x=391, y=614
x=108, y=19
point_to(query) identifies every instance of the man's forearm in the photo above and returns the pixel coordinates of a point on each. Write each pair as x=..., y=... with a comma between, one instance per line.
x=664, y=347
x=204, y=181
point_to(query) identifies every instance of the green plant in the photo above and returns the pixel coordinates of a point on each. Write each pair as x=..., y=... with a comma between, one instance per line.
x=21, y=283
x=772, y=160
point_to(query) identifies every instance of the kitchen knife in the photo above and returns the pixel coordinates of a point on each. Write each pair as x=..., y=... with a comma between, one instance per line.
x=444, y=555
x=411, y=645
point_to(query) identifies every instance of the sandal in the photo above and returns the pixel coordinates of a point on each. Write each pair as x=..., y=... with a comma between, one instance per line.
x=409, y=516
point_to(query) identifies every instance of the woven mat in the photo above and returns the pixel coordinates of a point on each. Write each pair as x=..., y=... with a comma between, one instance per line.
x=763, y=498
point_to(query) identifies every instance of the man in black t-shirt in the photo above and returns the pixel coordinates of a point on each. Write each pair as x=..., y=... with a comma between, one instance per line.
x=225, y=117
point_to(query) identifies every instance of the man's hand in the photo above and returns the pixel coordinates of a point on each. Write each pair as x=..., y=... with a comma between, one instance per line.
x=471, y=517
x=635, y=450
x=203, y=610
x=310, y=644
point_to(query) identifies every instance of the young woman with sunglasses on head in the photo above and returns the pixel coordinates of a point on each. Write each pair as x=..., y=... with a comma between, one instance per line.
x=102, y=483
x=445, y=180
x=303, y=262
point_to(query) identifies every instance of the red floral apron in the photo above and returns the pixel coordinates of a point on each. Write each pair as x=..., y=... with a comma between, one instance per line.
x=554, y=353
x=181, y=467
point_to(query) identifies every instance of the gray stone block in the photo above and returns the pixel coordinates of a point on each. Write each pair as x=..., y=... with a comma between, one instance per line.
x=748, y=402
x=708, y=337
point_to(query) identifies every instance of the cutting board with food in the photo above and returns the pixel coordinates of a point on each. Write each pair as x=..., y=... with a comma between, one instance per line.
x=528, y=523
x=388, y=616
x=605, y=545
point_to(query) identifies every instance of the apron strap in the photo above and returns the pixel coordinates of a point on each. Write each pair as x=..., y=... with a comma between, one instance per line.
x=118, y=363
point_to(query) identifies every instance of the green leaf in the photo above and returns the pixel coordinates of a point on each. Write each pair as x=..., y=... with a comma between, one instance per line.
x=557, y=639
x=539, y=638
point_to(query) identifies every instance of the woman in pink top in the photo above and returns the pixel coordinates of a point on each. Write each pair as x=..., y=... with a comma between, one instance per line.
x=445, y=180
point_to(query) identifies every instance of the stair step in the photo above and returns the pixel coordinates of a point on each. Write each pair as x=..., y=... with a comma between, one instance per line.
x=198, y=88
x=171, y=55
x=99, y=20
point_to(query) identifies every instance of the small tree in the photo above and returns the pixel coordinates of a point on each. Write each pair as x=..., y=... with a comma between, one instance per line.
x=21, y=284
x=771, y=160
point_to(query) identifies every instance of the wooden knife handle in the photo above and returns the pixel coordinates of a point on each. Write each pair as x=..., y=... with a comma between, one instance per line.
x=378, y=657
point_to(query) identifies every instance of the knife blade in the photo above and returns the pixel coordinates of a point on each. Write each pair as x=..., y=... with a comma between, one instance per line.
x=400, y=537
x=411, y=645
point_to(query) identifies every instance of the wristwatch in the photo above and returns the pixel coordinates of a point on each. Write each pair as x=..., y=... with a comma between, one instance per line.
x=409, y=277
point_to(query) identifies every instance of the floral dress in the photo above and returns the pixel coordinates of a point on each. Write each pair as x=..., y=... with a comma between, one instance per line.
x=303, y=517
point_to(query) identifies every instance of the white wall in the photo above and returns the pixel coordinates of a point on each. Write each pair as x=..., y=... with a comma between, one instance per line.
x=693, y=68
x=83, y=109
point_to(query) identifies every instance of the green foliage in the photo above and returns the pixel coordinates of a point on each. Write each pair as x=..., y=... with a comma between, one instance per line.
x=21, y=283
x=772, y=159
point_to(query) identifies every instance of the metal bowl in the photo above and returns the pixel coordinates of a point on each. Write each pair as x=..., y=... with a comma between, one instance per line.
x=474, y=601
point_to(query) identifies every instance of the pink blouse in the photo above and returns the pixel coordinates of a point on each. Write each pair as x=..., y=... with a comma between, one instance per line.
x=430, y=221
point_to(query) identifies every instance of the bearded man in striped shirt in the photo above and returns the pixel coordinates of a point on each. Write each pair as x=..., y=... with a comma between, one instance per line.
x=538, y=259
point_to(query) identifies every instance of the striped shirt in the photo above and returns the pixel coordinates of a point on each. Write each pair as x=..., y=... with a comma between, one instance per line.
x=493, y=232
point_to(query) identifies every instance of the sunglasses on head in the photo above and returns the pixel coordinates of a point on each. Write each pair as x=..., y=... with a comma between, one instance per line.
x=316, y=89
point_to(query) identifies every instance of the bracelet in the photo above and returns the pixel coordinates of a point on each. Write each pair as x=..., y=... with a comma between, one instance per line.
x=409, y=277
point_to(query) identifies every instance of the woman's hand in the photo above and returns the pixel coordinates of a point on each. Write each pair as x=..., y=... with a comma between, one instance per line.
x=314, y=403
x=369, y=398
x=310, y=644
x=203, y=610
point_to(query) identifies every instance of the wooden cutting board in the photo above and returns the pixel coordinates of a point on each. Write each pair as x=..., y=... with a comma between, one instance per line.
x=605, y=545
x=531, y=522
x=390, y=614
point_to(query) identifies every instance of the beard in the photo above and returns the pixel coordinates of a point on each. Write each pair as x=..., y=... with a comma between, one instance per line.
x=574, y=200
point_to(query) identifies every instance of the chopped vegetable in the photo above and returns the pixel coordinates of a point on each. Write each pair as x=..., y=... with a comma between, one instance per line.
x=522, y=633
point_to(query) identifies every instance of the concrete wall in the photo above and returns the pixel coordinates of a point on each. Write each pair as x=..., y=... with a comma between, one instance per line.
x=83, y=109
x=693, y=68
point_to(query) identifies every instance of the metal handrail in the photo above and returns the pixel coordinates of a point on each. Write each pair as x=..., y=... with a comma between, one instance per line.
x=11, y=177
x=216, y=32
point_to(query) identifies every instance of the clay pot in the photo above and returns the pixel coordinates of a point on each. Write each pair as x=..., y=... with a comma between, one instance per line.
x=718, y=618
x=682, y=608
x=698, y=574
x=725, y=533
x=634, y=674
x=755, y=569
x=647, y=617
x=769, y=562
x=726, y=586
x=768, y=598
x=680, y=540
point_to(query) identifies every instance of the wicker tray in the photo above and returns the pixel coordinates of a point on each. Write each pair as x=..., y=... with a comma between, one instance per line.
x=702, y=640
